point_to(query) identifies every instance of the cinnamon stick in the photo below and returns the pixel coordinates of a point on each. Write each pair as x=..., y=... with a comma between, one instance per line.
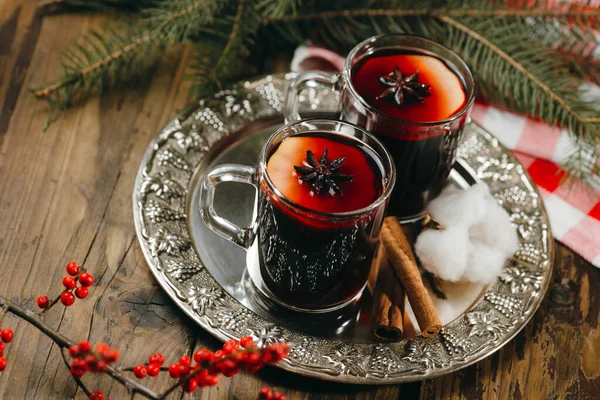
x=387, y=317
x=372, y=279
x=405, y=267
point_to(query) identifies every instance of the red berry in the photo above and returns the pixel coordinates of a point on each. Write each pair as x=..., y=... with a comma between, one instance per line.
x=253, y=362
x=72, y=268
x=212, y=380
x=205, y=378
x=84, y=346
x=231, y=372
x=157, y=359
x=153, y=369
x=81, y=292
x=140, y=371
x=96, y=394
x=77, y=371
x=190, y=385
x=69, y=282
x=7, y=335
x=203, y=355
x=1, y=349
x=246, y=341
x=185, y=360
x=74, y=351
x=67, y=299
x=78, y=362
x=100, y=366
x=201, y=378
x=174, y=371
x=230, y=346
x=278, y=396
x=86, y=279
x=111, y=355
x=102, y=348
x=265, y=393
x=90, y=362
x=239, y=357
x=184, y=369
x=43, y=301
x=2, y=363
x=219, y=354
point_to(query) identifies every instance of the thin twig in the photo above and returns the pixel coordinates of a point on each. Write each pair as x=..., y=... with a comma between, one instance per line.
x=518, y=66
x=234, y=31
x=77, y=379
x=45, y=92
x=55, y=300
x=64, y=342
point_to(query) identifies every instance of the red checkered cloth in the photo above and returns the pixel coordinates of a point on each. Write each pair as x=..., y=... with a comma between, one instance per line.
x=574, y=210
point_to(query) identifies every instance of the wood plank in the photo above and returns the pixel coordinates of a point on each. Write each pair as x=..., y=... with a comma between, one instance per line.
x=66, y=194
x=20, y=25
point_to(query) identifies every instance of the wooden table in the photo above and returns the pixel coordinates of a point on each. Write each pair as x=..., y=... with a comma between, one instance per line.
x=66, y=195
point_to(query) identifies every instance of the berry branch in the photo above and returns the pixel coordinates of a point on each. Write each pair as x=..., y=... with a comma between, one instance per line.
x=190, y=373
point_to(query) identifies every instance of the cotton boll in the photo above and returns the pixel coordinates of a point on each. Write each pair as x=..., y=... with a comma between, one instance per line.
x=444, y=253
x=496, y=230
x=455, y=207
x=484, y=263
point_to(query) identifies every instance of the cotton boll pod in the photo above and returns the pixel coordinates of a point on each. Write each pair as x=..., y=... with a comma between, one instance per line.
x=444, y=253
x=484, y=263
x=496, y=230
x=455, y=207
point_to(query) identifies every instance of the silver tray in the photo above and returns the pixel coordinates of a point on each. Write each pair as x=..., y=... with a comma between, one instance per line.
x=205, y=275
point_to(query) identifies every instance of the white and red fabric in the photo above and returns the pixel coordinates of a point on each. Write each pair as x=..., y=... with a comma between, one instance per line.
x=574, y=211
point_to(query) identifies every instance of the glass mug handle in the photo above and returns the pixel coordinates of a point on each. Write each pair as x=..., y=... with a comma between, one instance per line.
x=243, y=237
x=312, y=79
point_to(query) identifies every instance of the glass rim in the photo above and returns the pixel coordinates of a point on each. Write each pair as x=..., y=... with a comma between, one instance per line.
x=347, y=72
x=342, y=216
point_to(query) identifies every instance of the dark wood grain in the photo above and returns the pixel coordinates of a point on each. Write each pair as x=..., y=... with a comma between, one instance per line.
x=66, y=194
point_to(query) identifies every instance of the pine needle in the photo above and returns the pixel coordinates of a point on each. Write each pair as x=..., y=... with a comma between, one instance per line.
x=529, y=57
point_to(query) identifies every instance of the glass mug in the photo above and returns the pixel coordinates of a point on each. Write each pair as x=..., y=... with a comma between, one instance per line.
x=424, y=152
x=303, y=259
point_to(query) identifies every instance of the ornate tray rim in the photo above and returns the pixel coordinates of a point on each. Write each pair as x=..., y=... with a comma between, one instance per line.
x=488, y=325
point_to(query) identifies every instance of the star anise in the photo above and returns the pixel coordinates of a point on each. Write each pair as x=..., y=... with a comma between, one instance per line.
x=321, y=173
x=403, y=89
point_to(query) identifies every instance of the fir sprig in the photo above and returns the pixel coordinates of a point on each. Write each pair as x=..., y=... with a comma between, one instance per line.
x=101, y=59
x=221, y=45
x=527, y=57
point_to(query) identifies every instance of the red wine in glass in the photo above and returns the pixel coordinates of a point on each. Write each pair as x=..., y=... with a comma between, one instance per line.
x=305, y=260
x=424, y=147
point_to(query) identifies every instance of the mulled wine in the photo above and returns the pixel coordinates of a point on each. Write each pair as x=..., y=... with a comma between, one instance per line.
x=306, y=260
x=423, y=156
x=415, y=95
x=323, y=188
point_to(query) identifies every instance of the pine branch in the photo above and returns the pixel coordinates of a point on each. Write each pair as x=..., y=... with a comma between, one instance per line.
x=573, y=13
x=586, y=67
x=122, y=51
x=512, y=51
x=98, y=62
x=278, y=8
x=233, y=36
x=180, y=20
x=564, y=103
x=527, y=56
x=221, y=47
